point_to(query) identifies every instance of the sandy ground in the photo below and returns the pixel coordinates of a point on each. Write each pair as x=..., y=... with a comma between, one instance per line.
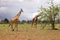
x=27, y=33
x=32, y=35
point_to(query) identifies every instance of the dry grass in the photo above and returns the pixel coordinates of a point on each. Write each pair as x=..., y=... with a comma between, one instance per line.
x=26, y=32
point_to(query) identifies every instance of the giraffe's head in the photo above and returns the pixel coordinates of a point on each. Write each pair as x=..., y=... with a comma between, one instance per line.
x=21, y=10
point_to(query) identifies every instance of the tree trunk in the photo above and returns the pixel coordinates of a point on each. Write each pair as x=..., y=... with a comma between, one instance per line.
x=53, y=25
x=52, y=21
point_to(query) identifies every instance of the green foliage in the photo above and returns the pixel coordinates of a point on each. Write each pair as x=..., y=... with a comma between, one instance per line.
x=6, y=20
x=50, y=12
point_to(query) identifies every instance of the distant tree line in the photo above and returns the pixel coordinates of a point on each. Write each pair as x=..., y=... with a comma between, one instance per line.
x=6, y=21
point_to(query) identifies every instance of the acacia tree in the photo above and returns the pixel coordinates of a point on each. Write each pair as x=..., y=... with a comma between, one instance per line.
x=51, y=13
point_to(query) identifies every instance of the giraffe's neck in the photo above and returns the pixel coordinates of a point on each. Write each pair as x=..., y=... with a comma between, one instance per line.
x=19, y=13
x=17, y=16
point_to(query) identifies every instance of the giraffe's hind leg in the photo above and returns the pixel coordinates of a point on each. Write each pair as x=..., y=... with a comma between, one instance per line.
x=35, y=25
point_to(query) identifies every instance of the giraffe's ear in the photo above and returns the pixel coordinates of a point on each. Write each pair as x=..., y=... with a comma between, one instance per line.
x=22, y=10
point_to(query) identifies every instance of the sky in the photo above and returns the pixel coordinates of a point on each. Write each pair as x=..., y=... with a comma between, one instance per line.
x=9, y=8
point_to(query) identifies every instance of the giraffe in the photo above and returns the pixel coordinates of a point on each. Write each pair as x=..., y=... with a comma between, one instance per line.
x=14, y=20
x=34, y=20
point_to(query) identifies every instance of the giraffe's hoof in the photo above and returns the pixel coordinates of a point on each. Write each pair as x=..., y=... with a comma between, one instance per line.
x=13, y=30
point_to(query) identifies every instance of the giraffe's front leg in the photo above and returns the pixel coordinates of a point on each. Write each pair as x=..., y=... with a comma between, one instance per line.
x=36, y=24
x=16, y=26
x=12, y=27
x=32, y=24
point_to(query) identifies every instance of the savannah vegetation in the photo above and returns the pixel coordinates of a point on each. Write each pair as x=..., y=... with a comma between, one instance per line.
x=48, y=16
x=48, y=27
